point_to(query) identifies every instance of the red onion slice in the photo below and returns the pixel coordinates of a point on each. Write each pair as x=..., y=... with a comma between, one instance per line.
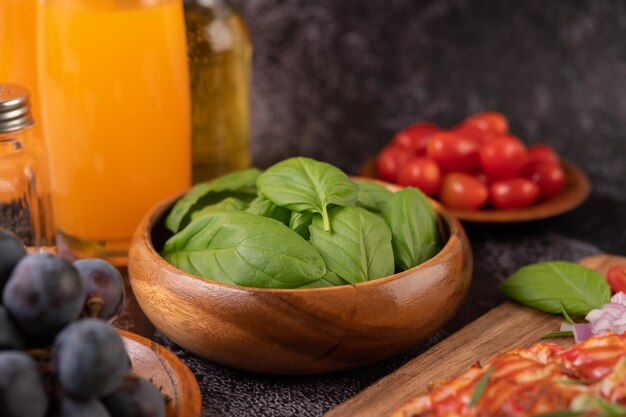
x=619, y=298
x=582, y=331
x=603, y=323
x=611, y=317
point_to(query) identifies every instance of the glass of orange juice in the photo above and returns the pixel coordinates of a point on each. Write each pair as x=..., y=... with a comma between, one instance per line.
x=17, y=48
x=115, y=104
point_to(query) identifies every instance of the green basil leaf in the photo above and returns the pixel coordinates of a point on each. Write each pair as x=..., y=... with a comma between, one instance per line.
x=571, y=381
x=261, y=206
x=481, y=386
x=372, y=196
x=548, y=286
x=245, y=178
x=564, y=413
x=609, y=409
x=366, y=201
x=320, y=283
x=300, y=222
x=414, y=227
x=566, y=316
x=359, y=247
x=305, y=185
x=240, y=248
x=200, y=195
x=329, y=280
x=558, y=335
x=229, y=203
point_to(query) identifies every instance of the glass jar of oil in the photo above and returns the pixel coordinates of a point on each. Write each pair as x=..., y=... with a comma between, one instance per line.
x=220, y=55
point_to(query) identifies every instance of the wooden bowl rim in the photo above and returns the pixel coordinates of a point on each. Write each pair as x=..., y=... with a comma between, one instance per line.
x=145, y=227
x=193, y=402
x=567, y=200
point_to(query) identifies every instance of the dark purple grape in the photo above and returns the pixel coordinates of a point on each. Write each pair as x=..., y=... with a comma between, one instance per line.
x=44, y=293
x=137, y=397
x=90, y=359
x=103, y=286
x=11, y=251
x=10, y=337
x=69, y=407
x=22, y=393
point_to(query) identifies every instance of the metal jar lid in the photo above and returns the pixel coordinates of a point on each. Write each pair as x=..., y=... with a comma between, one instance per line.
x=15, y=111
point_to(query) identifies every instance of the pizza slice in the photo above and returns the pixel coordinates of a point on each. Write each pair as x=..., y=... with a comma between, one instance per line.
x=586, y=380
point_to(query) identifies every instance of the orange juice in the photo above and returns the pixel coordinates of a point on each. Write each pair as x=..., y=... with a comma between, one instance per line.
x=115, y=101
x=17, y=49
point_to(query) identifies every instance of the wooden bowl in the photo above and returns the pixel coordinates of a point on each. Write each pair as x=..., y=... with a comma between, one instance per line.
x=575, y=191
x=157, y=364
x=299, y=331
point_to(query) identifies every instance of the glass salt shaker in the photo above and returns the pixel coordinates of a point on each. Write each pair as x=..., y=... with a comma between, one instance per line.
x=25, y=207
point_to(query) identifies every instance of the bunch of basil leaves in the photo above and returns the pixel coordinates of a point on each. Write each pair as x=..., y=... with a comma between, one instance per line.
x=300, y=224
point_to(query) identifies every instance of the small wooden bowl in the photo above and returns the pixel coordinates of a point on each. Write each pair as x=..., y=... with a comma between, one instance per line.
x=575, y=191
x=157, y=364
x=301, y=331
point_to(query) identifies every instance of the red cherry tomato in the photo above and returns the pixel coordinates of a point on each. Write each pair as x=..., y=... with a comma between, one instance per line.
x=616, y=276
x=463, y=192
x=422, y=173
x=483, y=178
x=548, y=176
x=542, y=153
x=415, y=136
x=471, y=132
x=454, y=152
x=390, y=160
x=489, y=121
x=503, y=157
x=515, y=193
x=491, y=136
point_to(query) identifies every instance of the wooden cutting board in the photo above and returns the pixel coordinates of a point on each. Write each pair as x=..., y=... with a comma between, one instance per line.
x=507, y=326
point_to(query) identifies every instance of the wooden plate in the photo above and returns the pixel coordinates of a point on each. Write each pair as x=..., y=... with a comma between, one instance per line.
x=506, y=327
x=575, y=192
x=152, y=361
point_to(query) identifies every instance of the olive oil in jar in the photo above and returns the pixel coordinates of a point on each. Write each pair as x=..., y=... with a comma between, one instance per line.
x=219, y=67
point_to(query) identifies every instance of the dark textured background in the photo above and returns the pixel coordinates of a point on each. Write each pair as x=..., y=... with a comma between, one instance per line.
x=333, y=79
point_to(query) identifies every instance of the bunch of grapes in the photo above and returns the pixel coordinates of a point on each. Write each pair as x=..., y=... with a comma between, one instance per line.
x=58, y=355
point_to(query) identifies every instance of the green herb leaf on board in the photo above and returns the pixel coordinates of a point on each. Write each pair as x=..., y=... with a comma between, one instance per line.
x=556, y=286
